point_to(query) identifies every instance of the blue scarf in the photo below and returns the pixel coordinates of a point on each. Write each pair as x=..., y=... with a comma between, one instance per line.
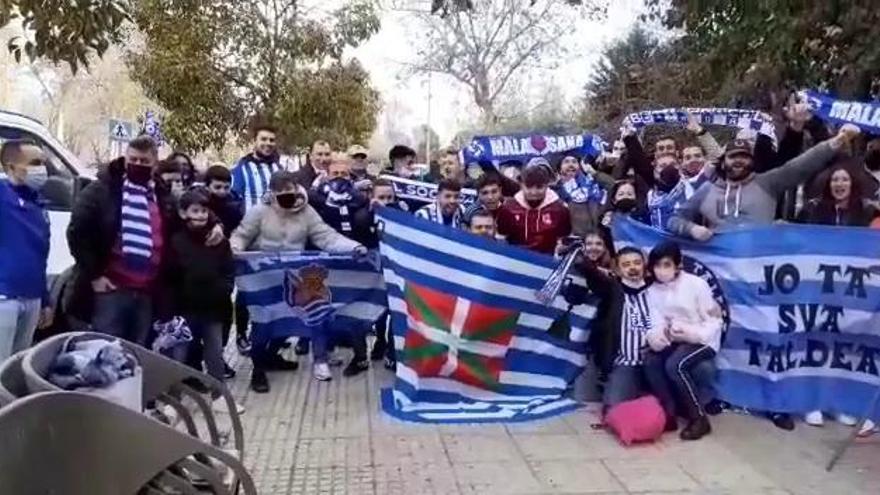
x=580, y=189
x=734, y=117
x=865, y=115
x=524, y=147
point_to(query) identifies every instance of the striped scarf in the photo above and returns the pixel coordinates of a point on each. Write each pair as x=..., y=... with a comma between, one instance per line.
x=137, y=230
x=432, y=212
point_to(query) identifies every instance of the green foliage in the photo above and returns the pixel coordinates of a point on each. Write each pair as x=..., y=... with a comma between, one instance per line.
x=745, y=49
x=63, y=31
x=217, y=66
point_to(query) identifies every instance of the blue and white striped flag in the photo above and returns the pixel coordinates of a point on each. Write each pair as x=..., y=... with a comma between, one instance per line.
x=472, y=341
x=801, y=308
x=290, y=293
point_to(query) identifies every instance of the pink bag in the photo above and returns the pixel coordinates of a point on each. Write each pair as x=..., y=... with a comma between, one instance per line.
x=639, y=420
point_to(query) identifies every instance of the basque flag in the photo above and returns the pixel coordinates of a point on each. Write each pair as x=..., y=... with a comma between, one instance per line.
x=472, y=340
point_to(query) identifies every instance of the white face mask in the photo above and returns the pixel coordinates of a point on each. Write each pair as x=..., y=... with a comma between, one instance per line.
x=36, y=178
x=664, y=275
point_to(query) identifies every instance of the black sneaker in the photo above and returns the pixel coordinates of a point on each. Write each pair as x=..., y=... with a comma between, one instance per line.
x=378, y=351
x=228, y=372
x=671, y=424
x=278, y=363
x=302, y=347
x=243, y=344
x=259, y=382
x=355, y=368
x=696, y=429
x=782, y=421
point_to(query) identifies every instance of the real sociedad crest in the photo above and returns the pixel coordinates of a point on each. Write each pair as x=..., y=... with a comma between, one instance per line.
x=476, y=149
x=306, y=285
x=695, y=267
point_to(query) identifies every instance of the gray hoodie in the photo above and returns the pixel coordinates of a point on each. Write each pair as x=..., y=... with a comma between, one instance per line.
x=724, y=205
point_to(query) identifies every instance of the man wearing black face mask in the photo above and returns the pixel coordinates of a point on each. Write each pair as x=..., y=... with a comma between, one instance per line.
x=118, y=235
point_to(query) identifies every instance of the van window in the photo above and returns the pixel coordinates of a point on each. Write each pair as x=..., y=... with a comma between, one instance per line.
x=58, y=189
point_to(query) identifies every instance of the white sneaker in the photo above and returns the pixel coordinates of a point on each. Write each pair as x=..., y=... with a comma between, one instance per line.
x=868, y=429
x=218, y=405
x=322, y=372
x=847, y=420
x=814, y=418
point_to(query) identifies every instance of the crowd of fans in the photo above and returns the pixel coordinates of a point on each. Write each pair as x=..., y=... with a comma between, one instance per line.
x=153, y=239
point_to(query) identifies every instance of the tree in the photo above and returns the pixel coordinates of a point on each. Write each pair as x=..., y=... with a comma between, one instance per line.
x=217, y=66
x=488, y=44
x=750, y=51
x=427, y=139
x=62, y=30
x=635, y=73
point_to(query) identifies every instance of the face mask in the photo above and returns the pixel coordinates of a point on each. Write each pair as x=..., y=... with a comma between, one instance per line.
x=664, y=275
x=872, y=160
x=36, y=179
x=669, y=178
x=289, y=201
x=138, y=174
x=625, y=205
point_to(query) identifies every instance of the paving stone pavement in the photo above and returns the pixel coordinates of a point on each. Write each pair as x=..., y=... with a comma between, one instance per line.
x=306, y=437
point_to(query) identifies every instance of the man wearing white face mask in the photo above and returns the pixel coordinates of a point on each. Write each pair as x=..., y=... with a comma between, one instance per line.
x=25, y=247
x=685, y=331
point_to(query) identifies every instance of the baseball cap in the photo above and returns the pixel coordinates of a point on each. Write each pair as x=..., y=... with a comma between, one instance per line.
x=356, y=150
x=738, y=147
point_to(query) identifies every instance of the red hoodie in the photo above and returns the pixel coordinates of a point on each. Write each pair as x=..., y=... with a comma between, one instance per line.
x=538, y=229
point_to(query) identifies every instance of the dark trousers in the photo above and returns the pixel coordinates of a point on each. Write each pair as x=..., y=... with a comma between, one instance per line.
x=242, y=320
x=124, y=313
x=670, y=376
x=384, y=337
x=206, y=345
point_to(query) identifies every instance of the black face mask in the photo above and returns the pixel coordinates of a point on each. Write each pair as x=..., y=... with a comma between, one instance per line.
x=872, y=160
x=625, y=205
x=288, y=200
x=138, y=174
x=669, y=178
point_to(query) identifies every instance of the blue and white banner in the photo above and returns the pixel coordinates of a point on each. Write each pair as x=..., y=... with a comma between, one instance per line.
x=755, y=120
x=801, y=307
x=290, y=293
x=866, y=115
x=524, y=147
x=472, y=341
x=417, y=193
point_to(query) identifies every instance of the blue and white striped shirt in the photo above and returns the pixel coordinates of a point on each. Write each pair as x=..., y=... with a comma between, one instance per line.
x=250, y=178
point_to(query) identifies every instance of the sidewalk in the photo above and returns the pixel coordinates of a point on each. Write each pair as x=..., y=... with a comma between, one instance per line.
x=306, y=437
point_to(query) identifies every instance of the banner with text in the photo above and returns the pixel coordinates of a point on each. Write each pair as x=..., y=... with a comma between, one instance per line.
x=863, y=114
x=417, y=193
x=801, y=312
x=524, y=147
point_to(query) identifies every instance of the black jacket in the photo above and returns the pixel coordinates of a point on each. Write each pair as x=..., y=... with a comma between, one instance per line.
x=200, y=277
x=604, y=341
x=359, y=222
x=229, y=210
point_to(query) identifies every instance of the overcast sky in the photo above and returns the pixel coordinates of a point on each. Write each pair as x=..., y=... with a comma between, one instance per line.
x=451, y=108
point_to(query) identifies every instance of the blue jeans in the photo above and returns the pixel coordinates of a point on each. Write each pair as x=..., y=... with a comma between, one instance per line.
x=628, y=382
x=18, y=321
x=125, y=314
x=672, y=378
x=325, y=335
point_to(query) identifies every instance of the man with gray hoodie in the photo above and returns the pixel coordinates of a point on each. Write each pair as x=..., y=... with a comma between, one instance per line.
x=739, y=197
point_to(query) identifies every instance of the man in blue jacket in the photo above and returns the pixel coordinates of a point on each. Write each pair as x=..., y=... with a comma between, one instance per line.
x=24, y=242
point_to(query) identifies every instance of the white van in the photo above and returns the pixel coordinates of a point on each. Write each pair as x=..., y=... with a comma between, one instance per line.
x=66, y=176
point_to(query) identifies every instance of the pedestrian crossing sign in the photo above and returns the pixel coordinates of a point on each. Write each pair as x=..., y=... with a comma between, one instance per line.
x=120, y=130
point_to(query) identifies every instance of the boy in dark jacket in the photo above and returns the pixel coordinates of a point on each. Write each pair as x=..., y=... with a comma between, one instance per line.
x=202, y=278
x=228, y=206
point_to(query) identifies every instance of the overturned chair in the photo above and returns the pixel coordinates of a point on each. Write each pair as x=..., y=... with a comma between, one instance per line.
x=78, y=444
